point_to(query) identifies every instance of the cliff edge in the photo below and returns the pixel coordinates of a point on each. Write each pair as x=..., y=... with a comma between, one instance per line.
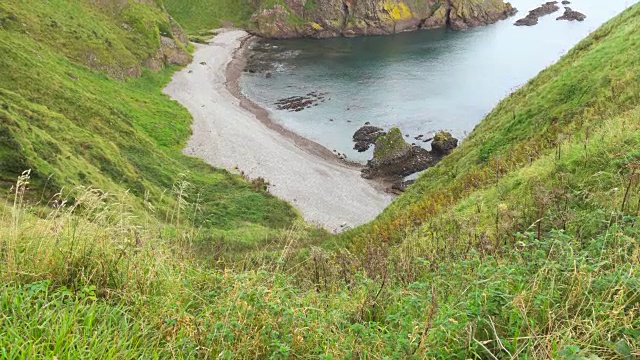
x=331, y=18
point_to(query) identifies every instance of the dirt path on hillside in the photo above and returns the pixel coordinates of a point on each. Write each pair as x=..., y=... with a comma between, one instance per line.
x=231, y=132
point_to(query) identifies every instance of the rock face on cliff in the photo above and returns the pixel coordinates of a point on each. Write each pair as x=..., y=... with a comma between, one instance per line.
x=331, y=18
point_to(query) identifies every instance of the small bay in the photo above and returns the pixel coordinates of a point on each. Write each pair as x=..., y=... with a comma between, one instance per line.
x=421, y=81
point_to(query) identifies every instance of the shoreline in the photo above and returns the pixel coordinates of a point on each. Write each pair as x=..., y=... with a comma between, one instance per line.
x=233, y=73
x=231, y=132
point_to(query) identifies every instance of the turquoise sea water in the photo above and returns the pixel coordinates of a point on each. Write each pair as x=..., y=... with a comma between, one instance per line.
x=421, y=81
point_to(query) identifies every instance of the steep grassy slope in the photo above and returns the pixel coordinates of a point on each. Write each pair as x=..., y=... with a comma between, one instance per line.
x=571, y=104
x=66, y=115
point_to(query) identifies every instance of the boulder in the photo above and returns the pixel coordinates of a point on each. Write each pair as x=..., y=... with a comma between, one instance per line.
x=401, y=186
x=443, y=143
x=368, y=134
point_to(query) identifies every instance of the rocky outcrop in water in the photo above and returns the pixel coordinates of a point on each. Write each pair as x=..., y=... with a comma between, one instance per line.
x=299, y=103
x=443, y=143
x=332, y=18
x=571, y=15
x=365, y=137
x=532, y=18
x=394, y=158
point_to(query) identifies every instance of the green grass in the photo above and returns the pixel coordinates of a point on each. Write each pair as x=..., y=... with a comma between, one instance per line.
x=74, y=125
x=523, y=243
x=198, y=16
x=566, y=104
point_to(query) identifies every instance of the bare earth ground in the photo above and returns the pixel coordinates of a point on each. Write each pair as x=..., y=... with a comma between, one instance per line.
x=231, y=132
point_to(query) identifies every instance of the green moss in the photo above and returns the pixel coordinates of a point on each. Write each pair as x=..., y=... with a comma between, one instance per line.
x=390, y=145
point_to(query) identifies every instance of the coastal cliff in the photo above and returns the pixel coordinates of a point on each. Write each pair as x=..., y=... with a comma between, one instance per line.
x=332, y=18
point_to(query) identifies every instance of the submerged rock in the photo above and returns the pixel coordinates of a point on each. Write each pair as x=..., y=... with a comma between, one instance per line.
x=571, y=15
x=299, y=103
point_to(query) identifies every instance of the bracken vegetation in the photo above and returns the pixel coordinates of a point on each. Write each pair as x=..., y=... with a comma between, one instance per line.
x=520, y=244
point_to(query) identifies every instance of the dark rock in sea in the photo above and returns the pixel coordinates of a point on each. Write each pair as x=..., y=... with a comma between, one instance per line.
x=571, y=15
x=368, y=134
x=427, y=139
x=443, y=143
x=545, y=9
x=361, y=146
x=348, y=18
x=268, y=74
x=299, y=103
x=527, y=21
x=566, y=2
x=532, y=18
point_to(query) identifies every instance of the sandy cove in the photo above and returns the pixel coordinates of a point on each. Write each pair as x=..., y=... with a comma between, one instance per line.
x=231, y=132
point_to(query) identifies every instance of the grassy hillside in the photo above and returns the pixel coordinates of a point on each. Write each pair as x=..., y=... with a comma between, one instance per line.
x=73, y=115
x=521, y=244
x=203, y=15
x=520, y=156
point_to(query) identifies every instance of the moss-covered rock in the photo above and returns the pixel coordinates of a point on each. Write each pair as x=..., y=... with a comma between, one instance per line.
x=394, y=158
x=390, y=146
x=443, y=143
